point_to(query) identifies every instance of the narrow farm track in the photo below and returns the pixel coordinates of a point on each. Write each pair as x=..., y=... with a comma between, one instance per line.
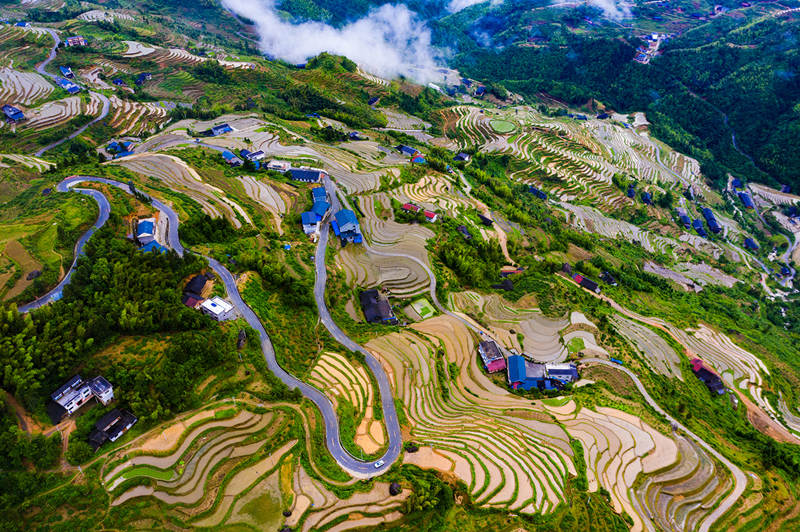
x=352, y=465
x=41, y=68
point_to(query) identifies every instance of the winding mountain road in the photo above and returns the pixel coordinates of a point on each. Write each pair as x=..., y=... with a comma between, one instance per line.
x=41, y=68
x=352, y=465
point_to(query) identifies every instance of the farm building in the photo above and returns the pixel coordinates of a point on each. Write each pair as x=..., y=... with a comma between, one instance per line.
x=480, y=91
x=407, y=150
x=252, y=156
x=373, y=100
x=76, y=393
x=278, y=166
x=563, y=373
x=231, y=159
x=68, y=86
x=145, y=230
x=647, y=199
x=410, y=207
x=491, y=356
x=111, y=427
x=737, y=184
x=376, y=307
x=196, y=285
x=218, y=309
x=786, y=189
x=536, y=192
x=430, y=216
x=586, y=283
x=75, y=40
x=524, y=374
x=13, y=114
x=220, y=130
x=348, y=227
x=418, y=159
x=750, y=244
x=66, y=72
x=709, y=378
x=310, y=222
x=320, y=208
x=307, y=175
x=747, y=200
x=461, y=156
x=698, y=226
x=685, y=220
x=485, y=220
x=118, y=82
x=631, y=191
x=355, y=135
x=464, y=232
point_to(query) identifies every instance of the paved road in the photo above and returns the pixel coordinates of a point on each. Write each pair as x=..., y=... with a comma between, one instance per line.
x=355, y=467
x=41, y=68
x=740, y=481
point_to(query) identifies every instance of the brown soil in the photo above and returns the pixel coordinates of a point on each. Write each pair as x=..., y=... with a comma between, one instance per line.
x=619, y=381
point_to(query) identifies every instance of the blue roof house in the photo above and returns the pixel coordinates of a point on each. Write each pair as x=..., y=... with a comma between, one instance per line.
x=154, y=247
x=310, y=222
x=66, y=72
x=349, y=230
x=320, y=208
x=12, y=113
x=319, y=194
x=523, y=374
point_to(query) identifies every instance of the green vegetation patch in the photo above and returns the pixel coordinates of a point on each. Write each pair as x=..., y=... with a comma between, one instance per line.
x=502, y=126
x=423, y=307
x=148, y=471
x=576, y=345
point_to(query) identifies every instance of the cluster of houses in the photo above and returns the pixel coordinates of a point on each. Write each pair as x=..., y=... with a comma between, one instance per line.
x=145, y=236
x=711, y=220
x=429, y=215
x=585, y=282
x=75, y=40
x=68, y=85
x=75, y=393
x=215, y=307
x=311, y=219
x=376, y=307
x=523, y=374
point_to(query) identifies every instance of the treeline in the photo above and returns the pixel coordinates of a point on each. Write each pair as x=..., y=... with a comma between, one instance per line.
x=680, y=90
x=476, y=262
x=115, y=289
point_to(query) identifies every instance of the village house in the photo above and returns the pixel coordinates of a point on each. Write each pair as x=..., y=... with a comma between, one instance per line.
x=376, y=307
x=407, y=150
x=492, y=356
x=586, y=283
x=564, y=373
x=709, y=378
x=75, y=40
x=231, y=159
x=111, y=427
x=218, y=309
x=145, y=231
x=67, y=399
x=68, y=86
x=279, y=166
x=307, y=175
x=461, y=156
x=220, y=130
x=310, y=222
x=66, y=72
x=13, y=114
x=345, y=226
x=525, y=375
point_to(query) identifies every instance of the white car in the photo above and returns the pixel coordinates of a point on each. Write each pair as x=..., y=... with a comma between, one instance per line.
x=379, y=464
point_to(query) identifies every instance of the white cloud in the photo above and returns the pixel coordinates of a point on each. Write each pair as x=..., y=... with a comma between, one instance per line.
x=389, y=41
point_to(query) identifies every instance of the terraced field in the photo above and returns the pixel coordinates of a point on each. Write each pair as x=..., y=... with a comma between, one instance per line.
x=487, y=437
x=541, y=338
x=388, y=235
x=135, y=118
x=681, y=495
x=656, y=351
x=343, y=379
x=617, y=448
x=29, y=161
x=226, y=467
x=23, y=88
x=182, y=178
x=267, y=196
x=403, y=277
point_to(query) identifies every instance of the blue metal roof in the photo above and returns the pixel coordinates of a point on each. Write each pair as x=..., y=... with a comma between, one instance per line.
x=319, y=193
x=747, y=200
x=153, y=246
x=301, y=174
x=228, y=155
x=320, y=208
x=308, y=218
x=335, y=227
x=516, y=368
x=346, y=216
x=749, y=243
x=145, y=226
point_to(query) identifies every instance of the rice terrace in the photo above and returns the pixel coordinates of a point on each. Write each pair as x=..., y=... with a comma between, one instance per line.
x=296, y=267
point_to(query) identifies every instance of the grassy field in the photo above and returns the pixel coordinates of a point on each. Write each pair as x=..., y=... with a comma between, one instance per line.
x=423, y=308
x=502, y=126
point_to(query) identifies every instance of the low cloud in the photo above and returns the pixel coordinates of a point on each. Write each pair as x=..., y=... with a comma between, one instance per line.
x=611, y=9
x=389, y=41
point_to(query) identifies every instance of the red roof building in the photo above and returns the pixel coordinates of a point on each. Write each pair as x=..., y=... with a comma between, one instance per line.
x=432, y=216
x=410, y=207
